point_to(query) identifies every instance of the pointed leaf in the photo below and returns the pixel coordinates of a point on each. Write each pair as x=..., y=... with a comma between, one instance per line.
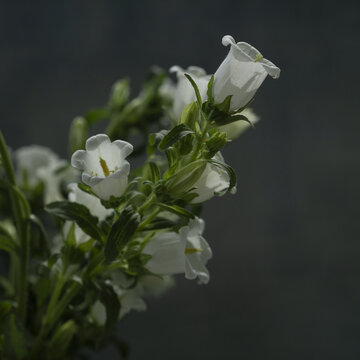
x=121, y=232
x=79, y=213
x=174, y=135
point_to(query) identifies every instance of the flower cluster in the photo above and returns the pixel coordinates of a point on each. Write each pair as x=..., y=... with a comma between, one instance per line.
x=119, y=233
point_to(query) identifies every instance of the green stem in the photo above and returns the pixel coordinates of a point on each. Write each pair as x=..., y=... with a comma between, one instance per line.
x=53, y=315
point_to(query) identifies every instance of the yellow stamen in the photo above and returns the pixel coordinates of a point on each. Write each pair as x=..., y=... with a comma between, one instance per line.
x=192, y=250
x=258, y=57
x=104, y=167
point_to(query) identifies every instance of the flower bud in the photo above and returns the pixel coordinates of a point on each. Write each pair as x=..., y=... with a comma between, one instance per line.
x=78, y=134
x=184, y=179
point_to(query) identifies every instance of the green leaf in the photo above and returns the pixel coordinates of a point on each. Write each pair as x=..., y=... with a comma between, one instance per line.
x=61, y=340
x=112, y=306
x=7, y=286
x=228, y=169
x=210, y=90
x=186, y=144
x=154, y=172
x=153, y=141
x=121, y=232
x=39, y=242
x=14, y=340
x=196, y=89
x=177, y=210
x=171, y=156
x=7, y=243
x=174, y=135
x=79, y=213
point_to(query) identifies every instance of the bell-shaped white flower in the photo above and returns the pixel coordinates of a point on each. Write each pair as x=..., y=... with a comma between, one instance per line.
x=30, y=159
x=38, y=164
x=236, y=128
x=186, y=252
x=104, y=166
x=213, y=181
x=197, y=251
x=241, y=73
x=184, y=93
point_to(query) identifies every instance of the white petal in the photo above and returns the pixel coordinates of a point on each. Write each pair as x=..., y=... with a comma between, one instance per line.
x=95, y=141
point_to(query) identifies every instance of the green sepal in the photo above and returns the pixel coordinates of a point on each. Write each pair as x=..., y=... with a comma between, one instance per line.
x=210, y=90
x=173, y=136
x=178, y=210
x=196, y=89
x=121, y=233
x=190, y=115
x=215, y=143
x=232, y=118
x=225, y=105
x=79, y=213
x=160, y=224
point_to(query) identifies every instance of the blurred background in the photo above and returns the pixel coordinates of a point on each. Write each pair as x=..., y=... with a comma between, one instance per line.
x=285, y=276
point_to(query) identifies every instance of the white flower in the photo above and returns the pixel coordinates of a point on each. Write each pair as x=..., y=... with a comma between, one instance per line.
x=236, y=128
x=197, y=251
x=213, y=181
x=184, y=93
x=186, y=252
x=91, y=202
x=241, y=73
x=36, y=164
x=30, y=159
x=104, y=166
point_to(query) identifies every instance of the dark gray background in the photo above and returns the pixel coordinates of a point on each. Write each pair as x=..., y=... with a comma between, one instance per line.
x=285, y=273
